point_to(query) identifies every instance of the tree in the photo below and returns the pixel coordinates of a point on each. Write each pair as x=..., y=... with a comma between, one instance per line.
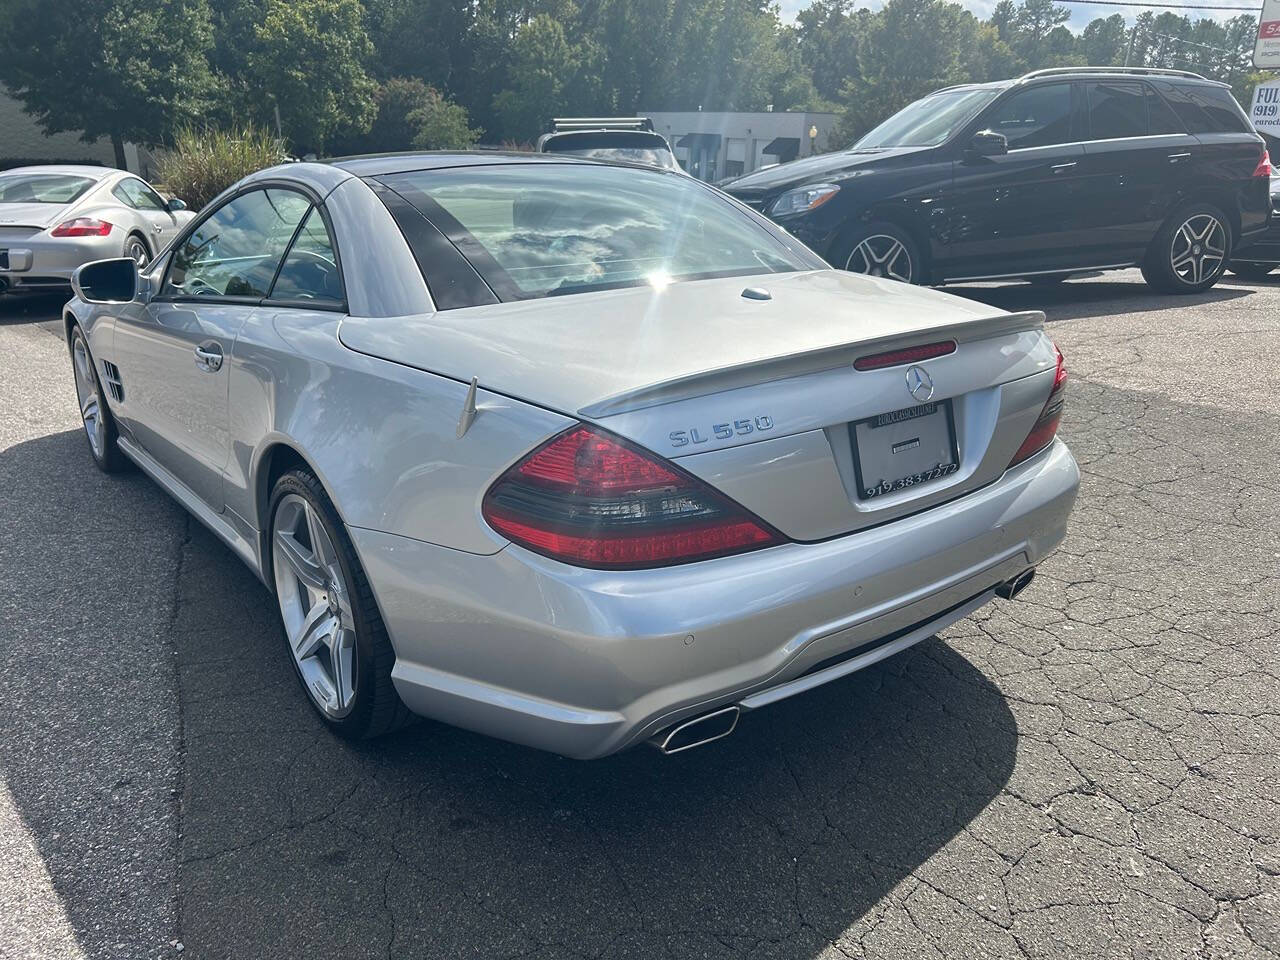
x=307, y=60
x=1104, y=41
x=123, y=69
x=440, y=124
x=1032, y=24
x=542, y=61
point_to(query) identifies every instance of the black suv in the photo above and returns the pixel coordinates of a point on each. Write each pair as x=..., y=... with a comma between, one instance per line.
x=1058, y=172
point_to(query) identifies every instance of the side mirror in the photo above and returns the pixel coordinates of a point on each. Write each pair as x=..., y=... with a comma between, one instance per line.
x=176, y=204
x=988, y=143
x=107, y=281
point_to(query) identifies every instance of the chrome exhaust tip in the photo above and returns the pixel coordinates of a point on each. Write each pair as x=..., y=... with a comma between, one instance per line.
x=1011, y=588
x=697, y=732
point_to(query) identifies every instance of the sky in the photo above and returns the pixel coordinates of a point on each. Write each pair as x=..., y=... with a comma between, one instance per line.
x=1081, y=13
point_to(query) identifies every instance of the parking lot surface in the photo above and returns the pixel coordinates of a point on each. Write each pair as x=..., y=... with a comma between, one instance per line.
x=1090, y=771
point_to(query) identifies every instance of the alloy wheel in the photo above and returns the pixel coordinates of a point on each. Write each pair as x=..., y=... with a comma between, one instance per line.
x=881, y=255
x=1198, y=249
x=137, y=251
x=91, y=413
x=315, y=605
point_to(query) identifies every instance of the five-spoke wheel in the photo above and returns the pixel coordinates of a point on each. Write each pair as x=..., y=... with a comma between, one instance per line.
x=880, y=250
x=136, y=249
x=95, y=415
x=1190, y=251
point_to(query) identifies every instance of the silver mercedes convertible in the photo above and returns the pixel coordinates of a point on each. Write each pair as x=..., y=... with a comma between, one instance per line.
x=574, y=454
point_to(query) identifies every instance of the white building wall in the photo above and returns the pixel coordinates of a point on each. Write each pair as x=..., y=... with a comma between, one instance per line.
x=742, y=135
x=22, y=139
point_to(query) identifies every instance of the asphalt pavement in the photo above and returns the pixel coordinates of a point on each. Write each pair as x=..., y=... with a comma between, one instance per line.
x=1090, y=771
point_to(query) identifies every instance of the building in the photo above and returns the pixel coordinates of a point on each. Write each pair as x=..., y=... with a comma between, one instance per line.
x=22, y=142
x=718, y=146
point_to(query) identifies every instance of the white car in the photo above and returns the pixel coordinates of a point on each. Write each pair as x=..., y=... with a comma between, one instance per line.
x=55, y=218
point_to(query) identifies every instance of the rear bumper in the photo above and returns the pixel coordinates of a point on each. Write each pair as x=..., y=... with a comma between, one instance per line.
x=1262, y=247
x=44, y=262
x=587, y=662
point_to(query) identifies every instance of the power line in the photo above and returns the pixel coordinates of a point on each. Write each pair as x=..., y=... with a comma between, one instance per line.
x=1167, y=6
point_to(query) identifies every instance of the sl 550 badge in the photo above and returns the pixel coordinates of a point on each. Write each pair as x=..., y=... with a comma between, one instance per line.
x=721, y=431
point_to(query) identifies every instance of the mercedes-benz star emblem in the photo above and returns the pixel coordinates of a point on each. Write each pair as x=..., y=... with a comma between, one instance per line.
x=919, y=384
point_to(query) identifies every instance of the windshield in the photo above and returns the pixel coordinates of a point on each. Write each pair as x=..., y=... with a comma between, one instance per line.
x=928, y=122
x=537, y=230
x=42, y=187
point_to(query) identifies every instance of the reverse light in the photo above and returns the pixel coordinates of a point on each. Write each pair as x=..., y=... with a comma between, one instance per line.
x=803, y=199
x=1263, y=169
x=82, y=227
x=1046, y=427
x=594, y=500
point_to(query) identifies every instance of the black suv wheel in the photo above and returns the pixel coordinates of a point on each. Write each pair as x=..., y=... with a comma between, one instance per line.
x=880, y=250
x=1190, y=251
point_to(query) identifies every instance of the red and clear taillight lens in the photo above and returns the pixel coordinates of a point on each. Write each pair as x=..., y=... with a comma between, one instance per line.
x=1046, y=427
x=82, y=227
x=594, y=500
x=1263, y=169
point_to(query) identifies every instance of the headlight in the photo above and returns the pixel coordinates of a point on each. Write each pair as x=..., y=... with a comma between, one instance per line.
x=802, y=199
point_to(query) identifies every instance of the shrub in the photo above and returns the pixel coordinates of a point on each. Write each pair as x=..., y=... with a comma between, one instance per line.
x=411, y=115
x=204, y=162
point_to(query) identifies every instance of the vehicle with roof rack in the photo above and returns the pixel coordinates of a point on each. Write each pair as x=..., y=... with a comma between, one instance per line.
x=1058, y=172
x=617, y=139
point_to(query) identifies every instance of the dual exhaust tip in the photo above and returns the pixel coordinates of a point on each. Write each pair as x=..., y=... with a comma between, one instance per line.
x=718, y=724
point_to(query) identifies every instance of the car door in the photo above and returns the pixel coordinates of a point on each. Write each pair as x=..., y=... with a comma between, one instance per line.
x=1017, y=211
x=172, y=354
x=1136, y=154
x=163, y=225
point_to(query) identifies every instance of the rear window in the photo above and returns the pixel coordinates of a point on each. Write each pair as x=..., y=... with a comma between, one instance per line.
x=546, y=229
x=1205, y=109
x=648, y=149
x=43, y=188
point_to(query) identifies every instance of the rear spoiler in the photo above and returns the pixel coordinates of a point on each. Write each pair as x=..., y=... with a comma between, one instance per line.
x=813, y=361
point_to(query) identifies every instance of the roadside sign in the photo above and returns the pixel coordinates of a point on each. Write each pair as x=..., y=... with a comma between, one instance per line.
x=1265, y=112
x=1266, y=52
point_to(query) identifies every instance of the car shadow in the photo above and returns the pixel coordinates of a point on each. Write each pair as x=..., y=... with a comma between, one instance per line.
x=437, y=842
x=42, y=308
x=1076, y=299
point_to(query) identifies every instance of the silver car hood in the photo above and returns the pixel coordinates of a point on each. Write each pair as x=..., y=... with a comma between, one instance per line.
x=31, y=214
x=597, y=354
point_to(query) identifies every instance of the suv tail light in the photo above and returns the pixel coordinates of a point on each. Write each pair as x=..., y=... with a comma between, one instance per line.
x=1263, y=169
x=595, y=500
x=1046, y=427
x=82, y=227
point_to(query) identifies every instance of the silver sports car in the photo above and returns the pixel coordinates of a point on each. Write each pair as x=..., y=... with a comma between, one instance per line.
x=573, y=454
x=55, y=218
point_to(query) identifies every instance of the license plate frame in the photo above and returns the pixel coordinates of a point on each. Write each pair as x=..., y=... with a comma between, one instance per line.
x=874, y=488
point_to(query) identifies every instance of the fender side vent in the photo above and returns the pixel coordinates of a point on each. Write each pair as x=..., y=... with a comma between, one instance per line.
x=115, y=386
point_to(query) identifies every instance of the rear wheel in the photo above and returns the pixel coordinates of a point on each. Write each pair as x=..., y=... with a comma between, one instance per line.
x=335, y=634
x=1251, y=271
x=1190, y=251
x=136, y=249
x=99, y=424
x=881, y=250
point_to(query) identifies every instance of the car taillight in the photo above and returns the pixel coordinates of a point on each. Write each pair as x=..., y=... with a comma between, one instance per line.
x=1046, y=427
x=82, y=227
x=595, y=500
x=1263, y=169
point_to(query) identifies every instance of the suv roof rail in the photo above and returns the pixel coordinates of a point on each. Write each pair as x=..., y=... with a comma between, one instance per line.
x=1139, y=71
x=562, y=124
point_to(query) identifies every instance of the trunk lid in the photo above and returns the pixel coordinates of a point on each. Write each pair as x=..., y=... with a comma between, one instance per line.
x=29, y=218
x=760, y=397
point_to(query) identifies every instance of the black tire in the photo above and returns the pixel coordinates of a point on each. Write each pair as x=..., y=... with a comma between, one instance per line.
x=1251, y=271
x=1172, y=245
x=376, y=709
x=103, y=442
x=137, y=249
x=859, y=251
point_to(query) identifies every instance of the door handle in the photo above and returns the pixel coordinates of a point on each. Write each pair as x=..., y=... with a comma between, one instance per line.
x=209, y=357
x=1062, y=167
x=1175, y=157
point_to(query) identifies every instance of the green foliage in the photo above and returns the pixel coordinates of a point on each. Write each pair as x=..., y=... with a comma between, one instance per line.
x=204, y=162
x=440, y=124
x=307, y=60
x=126, y=69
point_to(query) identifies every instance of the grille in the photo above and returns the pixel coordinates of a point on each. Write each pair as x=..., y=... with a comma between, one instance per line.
x=115, y=386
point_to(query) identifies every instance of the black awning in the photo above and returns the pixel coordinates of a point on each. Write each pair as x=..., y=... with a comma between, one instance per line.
x=784, y=148
x=701, y=141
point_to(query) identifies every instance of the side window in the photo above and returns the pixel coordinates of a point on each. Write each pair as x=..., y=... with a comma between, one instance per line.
x=121, y=194
x=1036, y=117
x=1160, y=116
x=310, y=270
x=144, y=198
x=234, y=251
x=1220, y=106
x=1193, y=118
x=1116, y=110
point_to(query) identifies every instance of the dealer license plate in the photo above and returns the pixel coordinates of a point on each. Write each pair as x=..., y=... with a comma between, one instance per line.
x=904, y=448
